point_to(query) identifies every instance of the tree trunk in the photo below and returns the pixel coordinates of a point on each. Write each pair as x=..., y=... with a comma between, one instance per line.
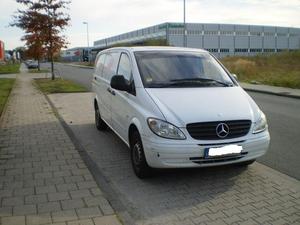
x=39, y=65
x=52, y=68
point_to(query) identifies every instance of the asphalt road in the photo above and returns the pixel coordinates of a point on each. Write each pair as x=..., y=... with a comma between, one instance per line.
x=283, y=115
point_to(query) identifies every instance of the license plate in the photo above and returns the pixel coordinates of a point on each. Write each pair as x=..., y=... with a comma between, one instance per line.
x=223, y=151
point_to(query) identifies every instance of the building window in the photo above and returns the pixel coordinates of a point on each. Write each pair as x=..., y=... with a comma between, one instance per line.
x=176, y=31
x=294, y=35
x=281, y=34
x=227, y=33
x=255, y=50
x=224, y=50
x=212, y=49
x=282, y=50
x=254, y=33
x=269, y=50
x=207, y=32
x=269, y=34
x=241, y=33
x=191, y=32
x=241, y=50
x=194, y=32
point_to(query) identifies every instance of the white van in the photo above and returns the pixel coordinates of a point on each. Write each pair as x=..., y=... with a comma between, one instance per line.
x=176, y=107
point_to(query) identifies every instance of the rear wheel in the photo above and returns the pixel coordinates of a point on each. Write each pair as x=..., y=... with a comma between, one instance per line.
x=138, y=159
x=100, y=124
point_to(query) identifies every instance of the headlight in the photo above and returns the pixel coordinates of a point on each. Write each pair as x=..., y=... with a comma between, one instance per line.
x=261, y=124
x=165, y=129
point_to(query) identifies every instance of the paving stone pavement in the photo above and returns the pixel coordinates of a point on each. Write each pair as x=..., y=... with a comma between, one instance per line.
x=220, y=195
x=43, y=179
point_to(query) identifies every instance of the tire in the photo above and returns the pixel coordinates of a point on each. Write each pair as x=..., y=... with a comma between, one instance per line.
x=138, y=159
x=100, y=124
x=246, y=163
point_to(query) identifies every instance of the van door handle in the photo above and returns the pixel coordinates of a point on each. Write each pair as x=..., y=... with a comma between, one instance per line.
x=111, y=91
x=95, y=78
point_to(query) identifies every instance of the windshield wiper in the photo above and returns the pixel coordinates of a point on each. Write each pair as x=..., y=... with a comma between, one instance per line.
x=192, y=80
x=170, y=84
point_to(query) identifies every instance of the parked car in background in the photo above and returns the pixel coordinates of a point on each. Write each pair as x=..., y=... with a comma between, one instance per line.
x=176, y=108
x=31, y=64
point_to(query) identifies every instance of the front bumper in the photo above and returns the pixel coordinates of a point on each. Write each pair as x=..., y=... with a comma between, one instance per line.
x=184, y=155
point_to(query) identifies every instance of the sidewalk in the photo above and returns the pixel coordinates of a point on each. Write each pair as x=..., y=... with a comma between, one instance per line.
x=43, y=179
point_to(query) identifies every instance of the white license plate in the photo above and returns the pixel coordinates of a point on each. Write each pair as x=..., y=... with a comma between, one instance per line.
x=223, y=151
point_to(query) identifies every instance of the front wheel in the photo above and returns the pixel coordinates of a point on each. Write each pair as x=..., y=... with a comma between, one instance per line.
x=138, y=159
x=100, y=124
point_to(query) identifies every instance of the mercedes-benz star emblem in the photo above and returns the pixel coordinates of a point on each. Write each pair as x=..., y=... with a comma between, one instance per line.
x=222, y=130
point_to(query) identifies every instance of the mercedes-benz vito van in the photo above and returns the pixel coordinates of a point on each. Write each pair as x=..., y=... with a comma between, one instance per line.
x=176, y=107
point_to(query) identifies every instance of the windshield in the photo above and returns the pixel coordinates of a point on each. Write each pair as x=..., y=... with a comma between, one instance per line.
x=180, y=69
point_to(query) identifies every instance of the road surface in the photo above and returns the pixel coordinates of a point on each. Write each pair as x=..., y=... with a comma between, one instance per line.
x=283, y=116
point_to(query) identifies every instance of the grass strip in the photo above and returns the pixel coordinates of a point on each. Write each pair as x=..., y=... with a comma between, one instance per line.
x=58, y=85
x=6, y=85
x=9, y=68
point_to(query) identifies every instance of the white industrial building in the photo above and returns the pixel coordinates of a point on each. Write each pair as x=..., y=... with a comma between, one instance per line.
x=220, y=39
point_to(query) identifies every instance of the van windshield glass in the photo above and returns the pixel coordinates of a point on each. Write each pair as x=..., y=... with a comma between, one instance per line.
x=180, y=69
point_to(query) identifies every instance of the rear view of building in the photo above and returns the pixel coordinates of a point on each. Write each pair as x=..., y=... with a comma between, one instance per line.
x=220, y=39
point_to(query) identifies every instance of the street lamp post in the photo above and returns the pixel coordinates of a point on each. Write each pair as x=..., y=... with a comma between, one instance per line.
x=87, y=37
x=184, y=27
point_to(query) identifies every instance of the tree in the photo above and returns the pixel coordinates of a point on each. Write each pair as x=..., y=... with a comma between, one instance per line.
x=43, y=21
x=32, y=23
x=35, y=48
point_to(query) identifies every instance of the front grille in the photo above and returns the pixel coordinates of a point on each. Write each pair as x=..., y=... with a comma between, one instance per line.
x=207, y=130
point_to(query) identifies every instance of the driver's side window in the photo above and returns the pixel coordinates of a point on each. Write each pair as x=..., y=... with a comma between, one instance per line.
x=125, y=67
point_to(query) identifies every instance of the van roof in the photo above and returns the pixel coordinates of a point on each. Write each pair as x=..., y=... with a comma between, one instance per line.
x=158, y=48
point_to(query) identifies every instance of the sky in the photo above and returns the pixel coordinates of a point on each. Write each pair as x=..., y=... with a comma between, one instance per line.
x=112, y=17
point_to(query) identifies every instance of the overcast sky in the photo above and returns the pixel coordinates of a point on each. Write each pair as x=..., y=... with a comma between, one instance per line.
x=111, y=17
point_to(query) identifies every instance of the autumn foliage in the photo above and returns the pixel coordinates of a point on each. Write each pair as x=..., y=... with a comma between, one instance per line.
x=43, y=21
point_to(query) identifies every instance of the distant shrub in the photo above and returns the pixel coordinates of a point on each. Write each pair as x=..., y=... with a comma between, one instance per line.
x=280, y=69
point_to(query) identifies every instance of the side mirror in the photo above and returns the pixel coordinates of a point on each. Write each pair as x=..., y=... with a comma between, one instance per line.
x=234, y=76
x=118, y=82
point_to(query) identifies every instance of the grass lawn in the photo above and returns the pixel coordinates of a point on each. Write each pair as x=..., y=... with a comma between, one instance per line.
x=9, y=68
x=58, y=85
x=37, y=71
x=6, y=85
x=280, y=69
